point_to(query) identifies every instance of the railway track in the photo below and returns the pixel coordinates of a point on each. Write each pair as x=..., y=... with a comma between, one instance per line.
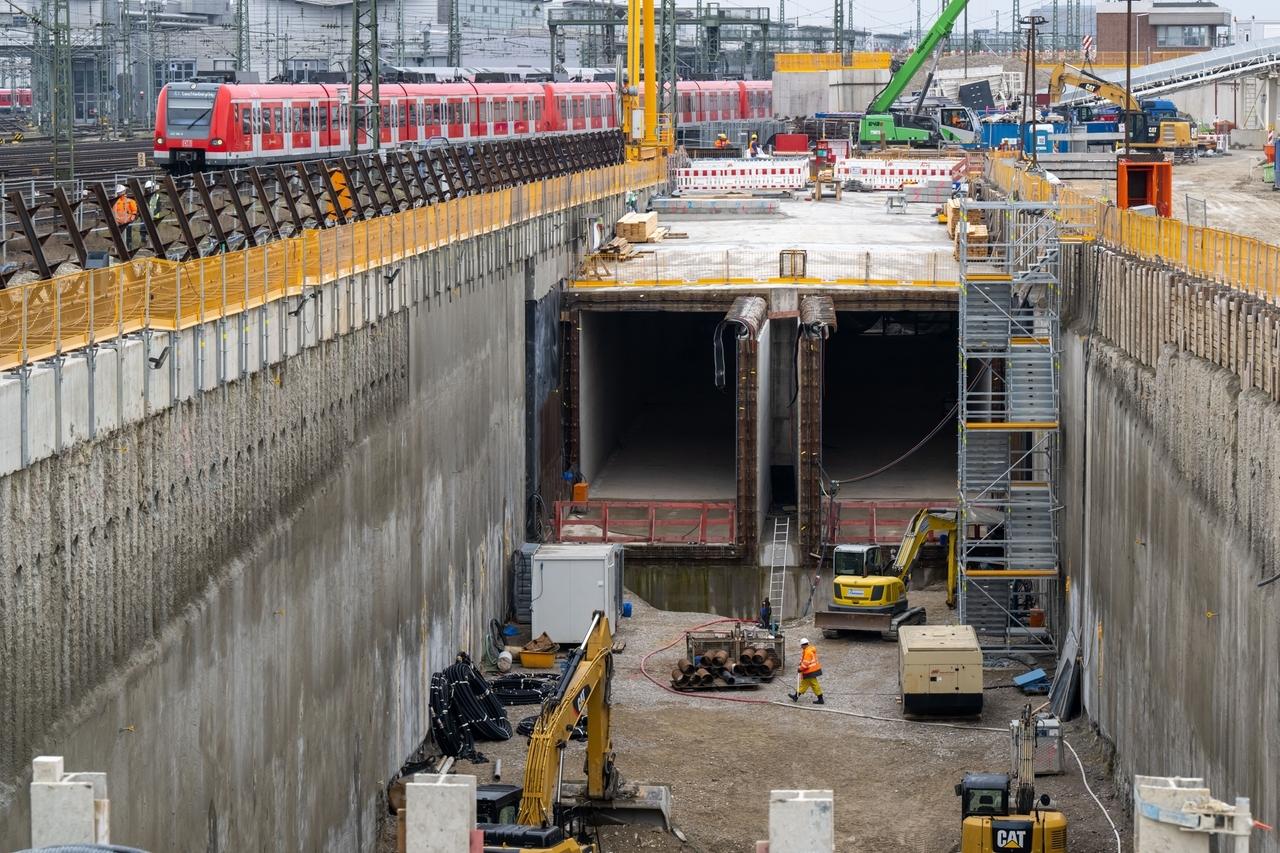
x=95, y=159
x=56, y=229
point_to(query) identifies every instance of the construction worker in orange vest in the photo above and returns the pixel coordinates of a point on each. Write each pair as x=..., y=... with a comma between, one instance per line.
x=809, y=670
x=722, y=141
x=125, y=212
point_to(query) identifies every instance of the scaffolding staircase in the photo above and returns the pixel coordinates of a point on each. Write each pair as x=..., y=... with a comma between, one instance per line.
x=1008, y=435
x=778, y=565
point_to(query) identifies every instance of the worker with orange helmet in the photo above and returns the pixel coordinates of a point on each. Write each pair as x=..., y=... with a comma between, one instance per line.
x=809, y=670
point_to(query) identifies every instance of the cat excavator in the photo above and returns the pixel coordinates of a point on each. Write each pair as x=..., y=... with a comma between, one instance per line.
x=549, y=806
x=869, y=593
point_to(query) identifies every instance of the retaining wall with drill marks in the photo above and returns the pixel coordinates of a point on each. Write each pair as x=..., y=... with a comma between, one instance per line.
x=231, y=605
x=1172, y=518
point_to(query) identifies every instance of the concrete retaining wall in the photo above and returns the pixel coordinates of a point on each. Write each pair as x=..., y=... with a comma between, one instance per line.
x=232, y=605
x=1172, y=493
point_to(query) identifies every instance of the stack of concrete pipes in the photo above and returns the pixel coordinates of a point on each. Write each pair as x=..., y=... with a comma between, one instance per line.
x=714, y=668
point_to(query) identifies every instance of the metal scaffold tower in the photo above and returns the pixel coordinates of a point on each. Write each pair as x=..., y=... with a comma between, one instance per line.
x=1009, y=426
x=837, y=27
x=365, y=114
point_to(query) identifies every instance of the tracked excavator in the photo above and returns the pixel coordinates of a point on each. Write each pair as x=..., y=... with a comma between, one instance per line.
x=1000, y=812
x=869, y=592
x=554, y=814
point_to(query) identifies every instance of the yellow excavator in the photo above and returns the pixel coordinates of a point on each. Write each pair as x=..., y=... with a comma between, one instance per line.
x=543, y=822
x=1000, y=812
x=869, y=593
x=1146, y=132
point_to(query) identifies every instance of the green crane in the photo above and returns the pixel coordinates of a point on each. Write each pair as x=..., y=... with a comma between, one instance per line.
x=939, y=31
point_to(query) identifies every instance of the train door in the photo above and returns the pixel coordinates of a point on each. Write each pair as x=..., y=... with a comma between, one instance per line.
x=412, y=116
x=255, y=130
x=433, y=119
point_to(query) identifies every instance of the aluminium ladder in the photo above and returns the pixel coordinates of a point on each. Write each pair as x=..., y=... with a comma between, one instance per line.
x=778, y=565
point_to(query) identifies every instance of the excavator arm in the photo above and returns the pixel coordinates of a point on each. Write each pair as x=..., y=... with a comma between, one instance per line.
x=940, y=30
x=1064, y=75
x=583, y=690
x=923, y=523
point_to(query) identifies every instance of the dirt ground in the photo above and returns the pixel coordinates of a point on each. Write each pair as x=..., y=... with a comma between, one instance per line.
x=1236, y=198
x=893, y=780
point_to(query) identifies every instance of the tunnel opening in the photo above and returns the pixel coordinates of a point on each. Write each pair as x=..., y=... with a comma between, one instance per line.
x=652, y=423
x=888, y=394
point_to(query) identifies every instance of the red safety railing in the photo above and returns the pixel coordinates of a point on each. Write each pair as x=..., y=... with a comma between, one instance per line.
x=853, y=521
x=647, y=522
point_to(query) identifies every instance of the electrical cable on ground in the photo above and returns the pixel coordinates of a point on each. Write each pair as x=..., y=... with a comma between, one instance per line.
x=1101, y=807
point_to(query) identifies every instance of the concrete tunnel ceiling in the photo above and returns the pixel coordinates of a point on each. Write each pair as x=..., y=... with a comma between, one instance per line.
x=889, y=379
x=653, y=423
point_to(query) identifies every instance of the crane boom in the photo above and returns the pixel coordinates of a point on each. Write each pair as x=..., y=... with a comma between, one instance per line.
x=1068, y=75
x=939, y=31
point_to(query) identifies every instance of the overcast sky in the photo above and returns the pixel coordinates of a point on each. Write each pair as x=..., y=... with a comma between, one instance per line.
x=897, y=15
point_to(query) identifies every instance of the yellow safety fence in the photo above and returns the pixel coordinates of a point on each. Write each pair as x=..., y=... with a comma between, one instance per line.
x=1244, y=263
x=859, y=61
x=46, y=318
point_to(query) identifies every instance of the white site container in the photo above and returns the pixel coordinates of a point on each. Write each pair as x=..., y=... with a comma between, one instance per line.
x=571, y=582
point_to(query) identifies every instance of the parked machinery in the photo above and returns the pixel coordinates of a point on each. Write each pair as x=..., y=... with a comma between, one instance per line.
x=869, y=593
x=1000, y=812
x=548, y=803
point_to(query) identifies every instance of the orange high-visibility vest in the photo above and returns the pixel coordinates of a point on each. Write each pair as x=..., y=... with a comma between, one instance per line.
x=125, y=210
x=809, y=661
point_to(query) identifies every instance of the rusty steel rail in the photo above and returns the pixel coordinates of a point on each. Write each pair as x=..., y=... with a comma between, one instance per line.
x=207, y=214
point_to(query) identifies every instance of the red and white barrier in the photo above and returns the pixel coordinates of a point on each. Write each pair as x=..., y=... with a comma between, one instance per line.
x=789, y=173
x=892, y=174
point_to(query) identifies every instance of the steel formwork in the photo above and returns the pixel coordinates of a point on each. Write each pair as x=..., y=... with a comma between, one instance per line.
x=1008, y=436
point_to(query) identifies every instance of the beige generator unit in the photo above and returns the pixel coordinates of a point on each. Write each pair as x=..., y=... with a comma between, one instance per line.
x=940, y=670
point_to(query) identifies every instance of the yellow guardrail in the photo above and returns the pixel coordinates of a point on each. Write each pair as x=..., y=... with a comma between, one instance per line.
x=1244, y=263
x=861, y=61
x=46, y=318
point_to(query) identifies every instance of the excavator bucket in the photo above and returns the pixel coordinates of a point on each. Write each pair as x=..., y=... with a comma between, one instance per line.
x=634, y=804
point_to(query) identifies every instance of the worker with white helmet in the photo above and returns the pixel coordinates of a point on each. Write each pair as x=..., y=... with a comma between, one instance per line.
x=152, y=189
x=809, y=671
x=125, y=212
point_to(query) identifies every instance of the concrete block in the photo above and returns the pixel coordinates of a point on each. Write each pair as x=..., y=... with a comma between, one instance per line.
x=274, y=324
x=10, y=424
x=440, y=814
x=184, y=351
x=209, y=338
x=801, y=822
x=67, y=808
x=42, y=432
x=105, y=377
x=75, y=399
x=133, y=370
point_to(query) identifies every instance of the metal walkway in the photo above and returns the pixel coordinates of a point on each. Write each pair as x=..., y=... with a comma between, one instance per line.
x=1008, y=437
x=1256, y=59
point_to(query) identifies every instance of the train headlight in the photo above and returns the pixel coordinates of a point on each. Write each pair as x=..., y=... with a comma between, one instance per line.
x=159, y=140
x=215, y=142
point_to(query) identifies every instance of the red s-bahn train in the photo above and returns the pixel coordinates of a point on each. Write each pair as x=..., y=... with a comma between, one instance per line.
x=15, y=100
x=218, y=125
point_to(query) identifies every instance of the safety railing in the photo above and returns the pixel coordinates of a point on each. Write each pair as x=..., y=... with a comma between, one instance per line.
x=44, y=319
x=646, y=522
x=868, y=521
x=873, y=267
x=861, y=60
x=1244, y=263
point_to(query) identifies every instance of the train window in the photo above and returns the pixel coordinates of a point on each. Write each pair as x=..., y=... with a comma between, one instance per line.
x=483, y=111
x=537, y=109
x=246, y=120
x=500, y=113
x=277, y=119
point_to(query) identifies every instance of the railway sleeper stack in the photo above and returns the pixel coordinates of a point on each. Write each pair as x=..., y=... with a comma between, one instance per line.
x=715, y=669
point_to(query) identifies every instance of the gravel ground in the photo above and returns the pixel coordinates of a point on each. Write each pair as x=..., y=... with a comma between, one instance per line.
x=893, y=779
x=1231, y=186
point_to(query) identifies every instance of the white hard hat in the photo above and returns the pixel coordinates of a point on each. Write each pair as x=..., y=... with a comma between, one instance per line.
x=149, y=185
x=804, y=641
x=119, y=188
